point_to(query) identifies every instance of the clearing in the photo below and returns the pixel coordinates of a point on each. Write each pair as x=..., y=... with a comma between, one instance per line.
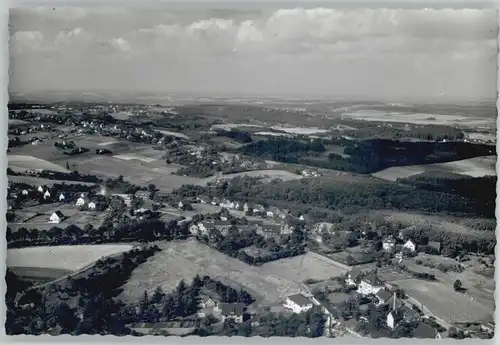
x=300, y=130
x=178, y=260
x=23, y=163
x=173, y=134
x=269, y=174
x=475, y=167
x=70, y=258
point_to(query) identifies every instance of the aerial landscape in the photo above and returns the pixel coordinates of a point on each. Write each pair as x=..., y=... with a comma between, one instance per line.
x=205, y=208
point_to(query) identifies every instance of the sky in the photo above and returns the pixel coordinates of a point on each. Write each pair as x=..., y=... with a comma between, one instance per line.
x=372, y=53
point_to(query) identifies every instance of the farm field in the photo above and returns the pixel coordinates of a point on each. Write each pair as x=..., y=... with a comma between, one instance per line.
x=173, y=134
x=40, y=222
x=134, y=172
x=420, y=118
x=475, y=167
x=184, y=259
x=23, y=163
x=70, y=258
x=271, y=174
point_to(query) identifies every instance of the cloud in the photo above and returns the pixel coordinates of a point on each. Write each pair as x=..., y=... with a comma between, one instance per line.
x=267, y=47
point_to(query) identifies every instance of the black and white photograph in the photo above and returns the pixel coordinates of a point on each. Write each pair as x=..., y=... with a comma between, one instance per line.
x=250, y=169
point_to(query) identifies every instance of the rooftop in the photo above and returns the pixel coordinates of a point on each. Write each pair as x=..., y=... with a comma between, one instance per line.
x=300, y=300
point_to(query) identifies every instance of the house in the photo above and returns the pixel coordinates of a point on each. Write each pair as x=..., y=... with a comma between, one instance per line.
x=215, y=201
x=388, y=244
x=298, y=303
x=383, y=296
x=180, y=205
x=435, y=246
x=193, y=229
x=247, y=207
x=84, y=195
x=205, y=226
x=410, y=245
x=208, y=302
x=272, y=211
x=424, y=331
x=46, y=195
x=203, y=200
x=56, y=217
x=40, y=189
x=370, y=284
x=354, y=277
x=226, y=204
x=270, y=230
x=257, y=208
x=232, y=311
x=401, y=314
x=91, y=205
x=222, y=226
x=143, y=194
x=80, y=201
x=61, y=197
x=24, y=192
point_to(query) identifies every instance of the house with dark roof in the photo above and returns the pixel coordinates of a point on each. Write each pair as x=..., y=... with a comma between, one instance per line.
x=354, y=277
x=56, y=217
x=401, y=314
x=270, y=230
x=298, y=303
x=232, y=311
x=383, y=296
x=223, y=226
x=424, y=331
x=388, y=244
x=435, y=246
x=370, y=284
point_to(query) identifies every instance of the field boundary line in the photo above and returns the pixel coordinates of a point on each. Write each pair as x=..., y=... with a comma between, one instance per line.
x=334, y=262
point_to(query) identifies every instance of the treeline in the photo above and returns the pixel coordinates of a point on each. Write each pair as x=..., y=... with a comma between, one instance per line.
x=83, y=305
x=358, y=195
x=234, y=243
x=369, y=156
x=282, y=149
x=56, y=175
x=144, y=230
x=481, y=189
x=240, y=136
x=309, y=324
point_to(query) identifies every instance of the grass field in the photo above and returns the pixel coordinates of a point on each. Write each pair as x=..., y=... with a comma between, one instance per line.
x=475, y=167
x=23, y=163
x=71, y=258
x=133, y=171
x=40, y=274
x=178, y=260
x=445, y=302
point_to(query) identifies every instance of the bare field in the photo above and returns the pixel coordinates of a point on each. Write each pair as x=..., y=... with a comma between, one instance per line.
x=135, y=157
x=173, y=134
x=184, y=259
x=22, y=163
x=475, y=167
x=72, y=258
x=281, y=174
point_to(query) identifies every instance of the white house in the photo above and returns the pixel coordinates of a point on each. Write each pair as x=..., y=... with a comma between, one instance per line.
x=207, y=302
x=388, y=244
x=91, y=205
x=180, y=204
x=410, y=245
x=298, y=303
x=193, y=229
x=205, y=226
x=46, y=195
x=25, y=192
x=370, y=284
x=61, y=197
x=56, y=217
x=233, y=311
x=80, y=201
x=40, y=189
